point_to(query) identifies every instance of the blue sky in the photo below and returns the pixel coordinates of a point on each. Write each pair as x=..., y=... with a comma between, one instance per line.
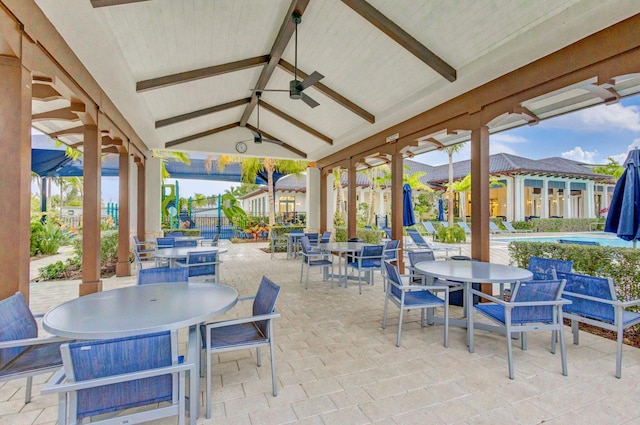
x=590, y=136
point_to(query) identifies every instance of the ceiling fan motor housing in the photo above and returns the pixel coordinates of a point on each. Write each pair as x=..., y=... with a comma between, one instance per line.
x=295, y=91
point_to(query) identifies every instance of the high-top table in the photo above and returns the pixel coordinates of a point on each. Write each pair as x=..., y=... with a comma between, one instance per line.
x=173, y=254
x=469, y=272
x=136, y=310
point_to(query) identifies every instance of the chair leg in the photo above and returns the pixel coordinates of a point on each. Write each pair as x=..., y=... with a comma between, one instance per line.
x=27, y=390
x=510, y=353
x=575, y=329
x=446, y=321
x=301, y=271
x=619, y=342
x=384, y=314
x=274, y=378
x=181, y=402
x=563, y=349
x=399, y=327
x=259, y=357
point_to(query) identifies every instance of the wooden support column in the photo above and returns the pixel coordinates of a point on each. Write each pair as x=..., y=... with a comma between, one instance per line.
x=141, y=201
x=15, y=176
x=91, y=210
x=352, y=203
x=480, y=241
x=323, y=201
x=123, y=267
x=396, y=204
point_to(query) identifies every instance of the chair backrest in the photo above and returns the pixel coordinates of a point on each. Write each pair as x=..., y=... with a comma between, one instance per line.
x=592, y=286
x=165, y=242
x=391, y=273
x=429, y=227
x=373, y=254
x=313, y=238
x=494, y=227
x=136, y=241
x=206, y=258
x=296, y=231
x=508, y=226
x=305, y=246
x=265, y=302
x=416, y=237
x=464, y=226
x=187, y=243
x=326, y=237
x=172, y=234
x=104, y=358
x=547, y=268
x=387, y=232
x=535, y=290
x=16, y=322
x=391, y=249
x=163, y=275
x=416, y=257
x=443, y=223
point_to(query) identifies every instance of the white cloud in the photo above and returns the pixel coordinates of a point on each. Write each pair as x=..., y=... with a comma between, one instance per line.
x=621, y=157
x=507, y=138
x=601, y=118
x=578, y=154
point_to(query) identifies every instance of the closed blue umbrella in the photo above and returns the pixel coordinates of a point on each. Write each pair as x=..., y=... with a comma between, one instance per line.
x=623, y=218
x=408, y=218
x=440, y=210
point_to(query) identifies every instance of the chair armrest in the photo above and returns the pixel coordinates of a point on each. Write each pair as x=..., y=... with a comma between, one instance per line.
x=247, y=298
x=212, y=263
x=249, y=319
x=594, y=299
x=32, y=341
x=489, y=297
x=630, y=303
x=511, y=304
x=55, y=384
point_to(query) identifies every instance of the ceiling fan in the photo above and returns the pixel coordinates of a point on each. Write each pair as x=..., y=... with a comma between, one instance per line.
x=241, y=147
x=296, y=87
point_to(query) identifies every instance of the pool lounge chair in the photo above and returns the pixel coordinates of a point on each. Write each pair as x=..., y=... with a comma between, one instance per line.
x=419, y=241
x=430, y=228
x=493, y=228
x=465, y=227
x=512, y=229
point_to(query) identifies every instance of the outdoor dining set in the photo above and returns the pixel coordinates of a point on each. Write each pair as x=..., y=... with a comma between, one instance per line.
x=118, y=349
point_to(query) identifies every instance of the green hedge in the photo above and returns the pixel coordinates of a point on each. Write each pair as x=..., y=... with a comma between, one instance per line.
x=620, y=264
x=367, y=235
x=561, y=224
x=185, y=232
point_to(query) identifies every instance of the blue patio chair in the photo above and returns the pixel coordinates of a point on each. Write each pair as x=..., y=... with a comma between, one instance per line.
x=115, y=375
x=534, y=306
x=595, y=302
x=314, y=238
x=278, y=241
x=187, y=243
x=163, y=275
x=387, y=232
x=368, y=260
x=210, y=242
x=430, y=228
x=143, y=252
x=547, y=268
x=512, y=229
x=465, y=227
x=408, y=296
x=203, y=263
x=326, y=237
x=443, y=223
x=250, y=332
x=312, y=258
x=493, y=228
x=417, y=277
x=172, y=234
x=421, y=243
x=162, y=243
x=391, y=248
x=22, y=353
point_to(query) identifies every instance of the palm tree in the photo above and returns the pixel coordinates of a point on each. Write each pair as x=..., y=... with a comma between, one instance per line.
x=251, y=167
x=450, y=150
x=611, y=168
x=375, y=176
x=464, y=185
x=337, y=185
x=166, y=156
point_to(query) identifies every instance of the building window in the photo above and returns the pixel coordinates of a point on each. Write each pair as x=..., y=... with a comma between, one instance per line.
x=287, y=204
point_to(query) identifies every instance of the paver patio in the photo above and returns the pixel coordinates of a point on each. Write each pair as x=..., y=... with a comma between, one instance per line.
x=336, y=365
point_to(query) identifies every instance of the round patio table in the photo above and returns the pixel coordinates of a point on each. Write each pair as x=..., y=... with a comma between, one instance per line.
x=469, y=272
x=173, y=254
x=136, y=310
x=341, y=248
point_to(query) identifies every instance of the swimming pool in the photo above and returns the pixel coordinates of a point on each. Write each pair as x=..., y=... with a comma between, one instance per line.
x=604, y=239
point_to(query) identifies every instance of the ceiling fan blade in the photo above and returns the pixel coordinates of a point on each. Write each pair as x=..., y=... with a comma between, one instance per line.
x=277, y=142
x=311, y=80
x=306, y=99
x=269, y=90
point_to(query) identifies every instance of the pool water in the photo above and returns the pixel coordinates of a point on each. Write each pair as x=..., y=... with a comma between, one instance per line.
x=604, y=239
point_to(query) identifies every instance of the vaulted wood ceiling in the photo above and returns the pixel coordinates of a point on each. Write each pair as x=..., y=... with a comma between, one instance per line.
x=185, y=74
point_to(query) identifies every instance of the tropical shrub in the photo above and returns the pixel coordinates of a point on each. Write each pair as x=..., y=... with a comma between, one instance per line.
x=52, y=271
x=558, y=224
x=367, y=235
x=46, y=238
x=451, y=234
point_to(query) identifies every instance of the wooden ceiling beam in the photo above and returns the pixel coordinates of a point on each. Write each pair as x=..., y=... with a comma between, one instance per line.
x=44, y=92
x=284, y=145
x=331, y=94
x=295, y=122
x=197, y=74
x=107, y=3
x=435, y=142
x=282, y=40
x=63, y=114
x=400, y=36
x=201, y=112
x=66, y=132
x=200, y=135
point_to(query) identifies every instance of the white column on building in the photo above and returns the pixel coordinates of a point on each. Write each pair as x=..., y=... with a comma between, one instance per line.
x=153, y=187
x=312, y=200
x=590, y=203
x=544, y=212
x=518, y=198
x=331, y=200
x=605, y=196
x=556, y=197
x=510, y=198
x=566, y=204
